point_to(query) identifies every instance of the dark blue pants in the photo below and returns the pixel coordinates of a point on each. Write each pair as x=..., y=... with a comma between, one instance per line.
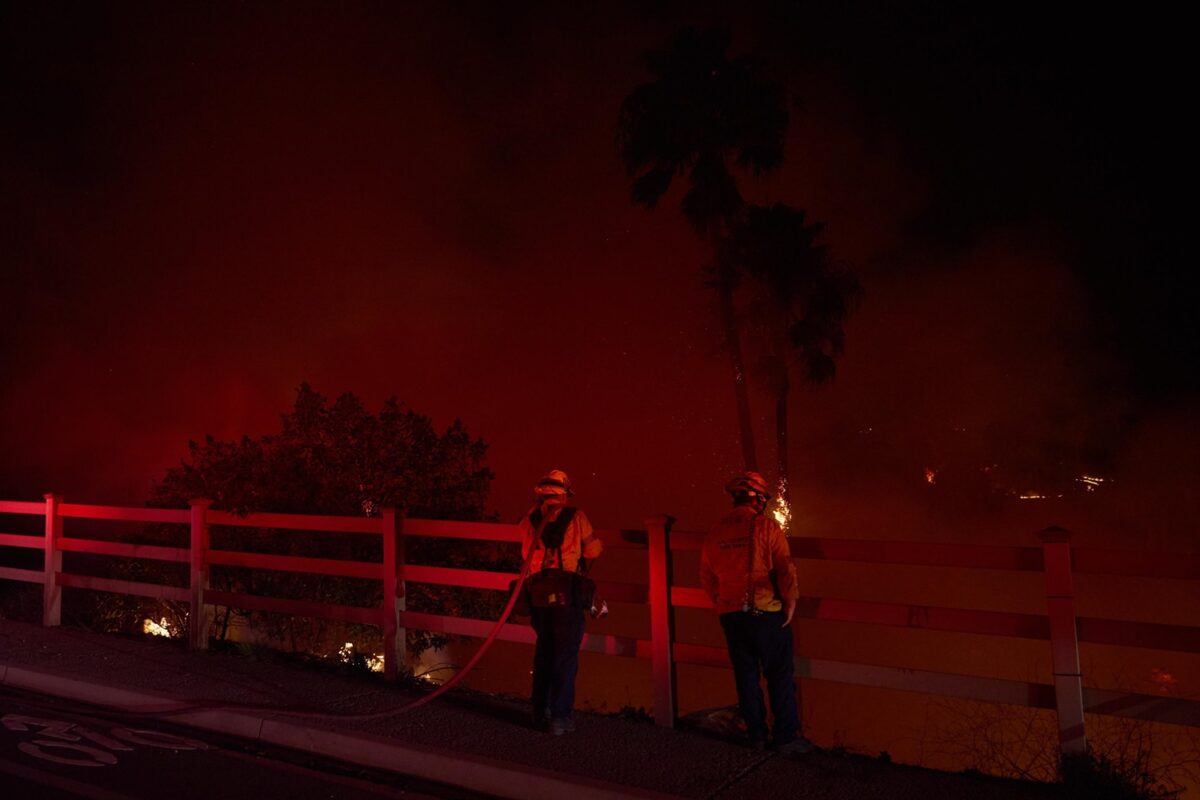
x=556, y=659
x=759, y=645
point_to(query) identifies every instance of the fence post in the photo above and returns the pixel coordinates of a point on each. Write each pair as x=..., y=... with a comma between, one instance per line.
x=395, y=649
x=662, y=622
x=52, y=564
x=1064, y=639
x=199, y=622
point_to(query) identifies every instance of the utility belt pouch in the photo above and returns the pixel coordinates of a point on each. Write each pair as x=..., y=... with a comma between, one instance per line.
x=557, y=588
x=550, y=588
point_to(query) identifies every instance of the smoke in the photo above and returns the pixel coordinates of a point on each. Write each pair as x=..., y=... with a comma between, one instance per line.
x=432, y=208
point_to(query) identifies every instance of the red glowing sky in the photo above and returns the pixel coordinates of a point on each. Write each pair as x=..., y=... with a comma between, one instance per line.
x=210, y=206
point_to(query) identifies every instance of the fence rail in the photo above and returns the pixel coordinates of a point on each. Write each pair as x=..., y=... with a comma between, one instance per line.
x=1056, y=559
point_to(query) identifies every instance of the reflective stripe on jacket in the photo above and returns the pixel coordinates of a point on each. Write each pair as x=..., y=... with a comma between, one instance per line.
x=725, y=563
x=577, y=539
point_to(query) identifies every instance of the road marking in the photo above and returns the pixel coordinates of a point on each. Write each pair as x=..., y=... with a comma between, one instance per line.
x=78, y=788
x=102, y=740
x=96, y=756
x=64, y=735
x=59, y=729
x=55, y=728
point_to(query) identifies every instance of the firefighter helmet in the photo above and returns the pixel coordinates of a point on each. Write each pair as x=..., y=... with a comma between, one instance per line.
x=554, y=482
x=751, y=483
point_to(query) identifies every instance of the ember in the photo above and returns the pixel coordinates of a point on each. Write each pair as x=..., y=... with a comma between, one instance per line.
x=780, y=508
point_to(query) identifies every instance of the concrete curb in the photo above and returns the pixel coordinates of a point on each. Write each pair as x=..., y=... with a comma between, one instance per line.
x=475, y=773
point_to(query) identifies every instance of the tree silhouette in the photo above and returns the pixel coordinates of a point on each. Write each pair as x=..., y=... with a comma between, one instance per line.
x=801, y=300
x=702, y=113
x=340, y=459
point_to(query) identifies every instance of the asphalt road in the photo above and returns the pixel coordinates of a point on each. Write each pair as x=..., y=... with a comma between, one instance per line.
x=54, y=749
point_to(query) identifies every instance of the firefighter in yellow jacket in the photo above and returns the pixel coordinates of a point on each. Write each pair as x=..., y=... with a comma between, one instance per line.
x=557, y=539
x=746, y=569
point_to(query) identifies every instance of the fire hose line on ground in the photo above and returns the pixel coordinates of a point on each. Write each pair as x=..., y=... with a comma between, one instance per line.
x=185, y=707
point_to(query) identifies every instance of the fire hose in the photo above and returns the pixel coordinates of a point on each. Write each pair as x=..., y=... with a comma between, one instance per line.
x=483, y=648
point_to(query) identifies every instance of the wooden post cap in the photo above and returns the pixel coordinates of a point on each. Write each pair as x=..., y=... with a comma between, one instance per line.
x=1054, y=534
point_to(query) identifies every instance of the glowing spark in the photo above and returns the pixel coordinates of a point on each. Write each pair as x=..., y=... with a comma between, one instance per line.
x=1090, y=481
x=1033, y=497
x=930, y=475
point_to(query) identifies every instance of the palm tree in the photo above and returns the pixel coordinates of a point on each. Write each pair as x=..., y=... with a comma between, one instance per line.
x=801, y=302
x=702, y=113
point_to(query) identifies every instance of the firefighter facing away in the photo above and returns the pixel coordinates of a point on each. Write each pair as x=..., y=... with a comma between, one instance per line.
x=559, y=543
x=746, y=569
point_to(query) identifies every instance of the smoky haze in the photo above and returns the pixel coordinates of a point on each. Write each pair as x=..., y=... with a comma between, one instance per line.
x=209, y=206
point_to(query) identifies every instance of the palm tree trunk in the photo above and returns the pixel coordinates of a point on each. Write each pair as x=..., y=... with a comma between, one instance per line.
x=781, y=438
x=741, y=390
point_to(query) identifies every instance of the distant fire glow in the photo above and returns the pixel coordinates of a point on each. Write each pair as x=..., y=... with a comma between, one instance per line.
x=153, y=628
x=930, y=475
x=1090, y=482
x=1163, y=680
x=779, y=507
x=348, y=655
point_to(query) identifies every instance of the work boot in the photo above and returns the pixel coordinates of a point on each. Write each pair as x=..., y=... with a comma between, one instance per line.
x=562, y=725
x=795, y=747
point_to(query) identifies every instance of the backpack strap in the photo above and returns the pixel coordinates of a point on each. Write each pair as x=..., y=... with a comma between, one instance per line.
x=556, y=532
x=538, y=522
